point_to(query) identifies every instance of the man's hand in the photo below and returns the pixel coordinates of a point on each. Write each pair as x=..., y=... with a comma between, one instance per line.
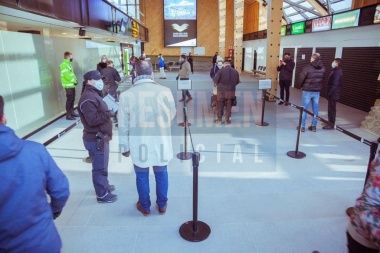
x=56, y=215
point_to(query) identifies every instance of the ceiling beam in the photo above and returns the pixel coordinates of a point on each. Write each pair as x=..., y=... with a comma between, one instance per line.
x=303, y=8
x=322, y=10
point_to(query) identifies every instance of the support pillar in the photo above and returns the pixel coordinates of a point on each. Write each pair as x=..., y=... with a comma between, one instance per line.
x=238, y=35
x=222, y=27
x=273, y=43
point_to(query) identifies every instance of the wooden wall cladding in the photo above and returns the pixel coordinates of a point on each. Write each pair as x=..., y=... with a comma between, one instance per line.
x=360, y=87
x=207, y=28
x=230, y=26
x=39, y=6
x=61, y=8
x=251, y=16
x=303, y=58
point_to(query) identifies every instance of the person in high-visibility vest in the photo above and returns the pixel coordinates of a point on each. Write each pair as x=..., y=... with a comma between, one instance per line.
x=69, y=81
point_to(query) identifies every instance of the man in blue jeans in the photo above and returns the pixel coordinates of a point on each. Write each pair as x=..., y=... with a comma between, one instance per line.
x=146, y=111
x=311, y=84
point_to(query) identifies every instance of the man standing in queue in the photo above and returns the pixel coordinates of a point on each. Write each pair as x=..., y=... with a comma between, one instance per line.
x=97, y=132
x=286, y=73
x=69, y=81
x=226, y=80
x=146, y=112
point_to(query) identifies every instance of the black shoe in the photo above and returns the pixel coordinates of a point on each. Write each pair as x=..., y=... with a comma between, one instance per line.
x=312, y=128
x=280, y=103
x=74, y=114
x=109, y=198
x=111, y=188
x=328, y=127
x=69, y=117
x=302, y=129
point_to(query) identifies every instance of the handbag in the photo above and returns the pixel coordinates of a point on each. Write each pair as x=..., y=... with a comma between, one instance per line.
x=234, y=101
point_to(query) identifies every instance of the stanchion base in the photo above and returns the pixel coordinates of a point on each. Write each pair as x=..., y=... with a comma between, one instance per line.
x=182, y=124
x=184, y=156
x=187, y=233
x=262, y=124
x=297, y=155
x=349, y=211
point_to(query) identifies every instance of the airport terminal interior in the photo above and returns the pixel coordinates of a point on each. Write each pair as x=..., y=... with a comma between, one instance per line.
x=262, y=185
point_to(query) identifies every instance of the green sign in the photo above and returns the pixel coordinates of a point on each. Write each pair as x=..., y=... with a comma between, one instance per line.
x=346, y=19
x=298, y=28
x=283, y=30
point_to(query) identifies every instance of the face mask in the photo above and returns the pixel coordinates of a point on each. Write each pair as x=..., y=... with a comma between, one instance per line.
x=220, y=64
x=333, y=65
x=104, y=60
x=71, y=59
x=99, y=84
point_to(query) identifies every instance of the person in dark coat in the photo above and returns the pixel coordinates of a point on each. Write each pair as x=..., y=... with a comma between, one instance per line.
x=286, y=73
x=191, y=61
x=311, y=84
x=214, y=58
x=28, y=175
x=102, y=64
x=226, y=80
x=110, y=78
x=97, y=132
x=333, y=91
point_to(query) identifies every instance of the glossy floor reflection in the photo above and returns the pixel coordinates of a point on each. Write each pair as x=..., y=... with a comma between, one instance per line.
x=255, y=198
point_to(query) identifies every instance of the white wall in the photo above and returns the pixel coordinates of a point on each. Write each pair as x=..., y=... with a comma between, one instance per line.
x=365, y=36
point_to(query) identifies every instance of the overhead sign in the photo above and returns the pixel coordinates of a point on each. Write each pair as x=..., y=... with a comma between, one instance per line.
x=180, y=23
x=283, y=30
x=298, y=28
x=321, y=24
x=346, y=19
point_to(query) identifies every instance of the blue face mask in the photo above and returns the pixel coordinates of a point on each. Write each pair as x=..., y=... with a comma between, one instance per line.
x=332, y=65
x=99, y=84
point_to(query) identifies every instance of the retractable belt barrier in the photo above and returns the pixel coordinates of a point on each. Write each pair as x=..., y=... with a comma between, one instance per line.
x=373, y=145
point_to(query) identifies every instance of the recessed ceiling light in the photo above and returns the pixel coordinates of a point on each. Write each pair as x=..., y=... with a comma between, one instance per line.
x=64, y=33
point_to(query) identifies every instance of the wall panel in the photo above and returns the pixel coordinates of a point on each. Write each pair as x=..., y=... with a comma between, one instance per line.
x=303, y=59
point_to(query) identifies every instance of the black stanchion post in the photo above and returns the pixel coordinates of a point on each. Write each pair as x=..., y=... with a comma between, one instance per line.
x=184, y=155
x=372, y=153
x=262, y=123
x=195, y=231
x=296, y=154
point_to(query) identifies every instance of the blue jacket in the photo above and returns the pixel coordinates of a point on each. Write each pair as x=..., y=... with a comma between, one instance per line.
x=27, y=174
x=161, y=62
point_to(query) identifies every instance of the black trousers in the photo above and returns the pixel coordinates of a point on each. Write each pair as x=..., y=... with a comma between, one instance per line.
x=331, y=109
x=284, y=85
x=70, y=99
x=355, y=247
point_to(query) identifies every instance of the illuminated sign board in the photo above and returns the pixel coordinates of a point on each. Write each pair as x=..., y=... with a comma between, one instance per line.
x=346, y=19
x=180, y=23
x=283, y=30
x=377, y=15
x=321, y=24
x=298, y=28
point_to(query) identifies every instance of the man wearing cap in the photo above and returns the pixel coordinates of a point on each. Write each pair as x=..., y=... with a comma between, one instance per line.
x=146, y=112
x=69, y=81
x=226, y=80
x=311, y=84
x=97, y=132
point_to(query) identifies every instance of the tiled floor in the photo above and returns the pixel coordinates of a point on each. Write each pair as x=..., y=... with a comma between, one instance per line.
x=254, y=197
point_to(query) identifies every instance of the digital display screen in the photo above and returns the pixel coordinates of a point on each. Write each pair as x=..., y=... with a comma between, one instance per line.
x=180, y=23
x=283, y=30
x=346, y=19
x=321, y=24
x=298, y=28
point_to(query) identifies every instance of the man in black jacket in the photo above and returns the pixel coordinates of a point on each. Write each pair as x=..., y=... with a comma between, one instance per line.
x=333, y=91
x=286, y=73
x=226, y=80
x=311, y=83
x=97, y=133
x=110, y=78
